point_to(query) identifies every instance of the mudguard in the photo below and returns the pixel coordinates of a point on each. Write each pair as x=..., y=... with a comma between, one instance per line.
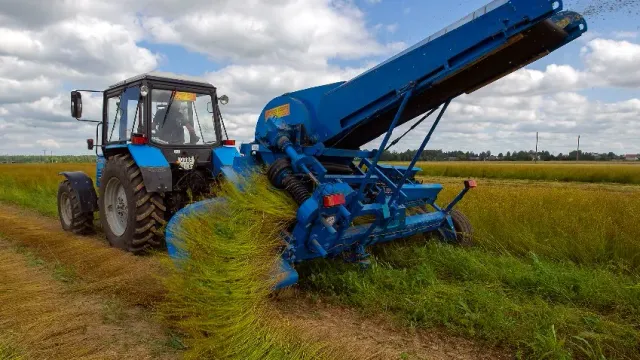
x=83, y=186
x=155, y=168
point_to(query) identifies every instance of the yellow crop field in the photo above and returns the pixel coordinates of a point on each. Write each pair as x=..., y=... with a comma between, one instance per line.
x=36, y=185
x=594, y=172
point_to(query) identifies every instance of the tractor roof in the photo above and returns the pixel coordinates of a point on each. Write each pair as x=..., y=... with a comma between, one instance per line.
x=165, y=76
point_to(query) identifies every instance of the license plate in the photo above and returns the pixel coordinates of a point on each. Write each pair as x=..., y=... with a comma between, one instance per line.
x=186, y=162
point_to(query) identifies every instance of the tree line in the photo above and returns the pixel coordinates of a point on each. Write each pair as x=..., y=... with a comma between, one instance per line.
x=440, y=155
x=427, y=155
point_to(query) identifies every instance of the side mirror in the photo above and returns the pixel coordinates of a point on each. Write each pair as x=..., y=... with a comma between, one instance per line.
x=210, y=107
x=90, y=144
x=76, y=105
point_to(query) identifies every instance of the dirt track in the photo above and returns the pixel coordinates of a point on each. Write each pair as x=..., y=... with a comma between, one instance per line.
x=103, y=272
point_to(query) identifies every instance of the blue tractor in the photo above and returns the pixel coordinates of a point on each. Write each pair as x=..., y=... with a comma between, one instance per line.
x=157, y=136
x=309, y=143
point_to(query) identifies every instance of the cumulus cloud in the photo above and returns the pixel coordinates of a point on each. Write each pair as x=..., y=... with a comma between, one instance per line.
x=296, y=32
x=261, y=49
x=613, y=63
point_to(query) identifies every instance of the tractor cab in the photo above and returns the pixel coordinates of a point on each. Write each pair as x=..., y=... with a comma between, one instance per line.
x=155, y=146
x=177, y=114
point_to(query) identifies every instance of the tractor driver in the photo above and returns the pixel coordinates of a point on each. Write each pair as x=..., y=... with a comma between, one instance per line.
x=170, y=129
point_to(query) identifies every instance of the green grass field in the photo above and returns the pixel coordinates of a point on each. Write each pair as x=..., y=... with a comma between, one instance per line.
x=35, y=186
x=595, y=172
x=555, y=273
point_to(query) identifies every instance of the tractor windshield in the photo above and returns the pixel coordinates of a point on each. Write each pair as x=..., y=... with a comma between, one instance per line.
x=180, y=118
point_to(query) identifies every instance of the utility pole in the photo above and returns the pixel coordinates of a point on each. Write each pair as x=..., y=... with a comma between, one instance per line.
x=578, y=151
x=536, y=147
x=44, y=155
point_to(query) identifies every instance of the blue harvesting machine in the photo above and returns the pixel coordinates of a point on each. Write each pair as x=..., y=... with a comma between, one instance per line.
x=309, y=141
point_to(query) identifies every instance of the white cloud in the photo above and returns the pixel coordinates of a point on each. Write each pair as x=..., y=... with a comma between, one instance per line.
x=294, y=32
x=390, y=28
x=625, y=34
x=270, y=48
x=49, y=143
x=613, y=63
x=250, y=87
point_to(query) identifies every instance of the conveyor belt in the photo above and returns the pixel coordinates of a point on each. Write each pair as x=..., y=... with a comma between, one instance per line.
x=521, y=50
x=454, y=63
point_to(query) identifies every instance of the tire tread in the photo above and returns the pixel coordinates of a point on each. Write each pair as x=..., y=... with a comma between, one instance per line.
x=149, y=208
x=81, y=223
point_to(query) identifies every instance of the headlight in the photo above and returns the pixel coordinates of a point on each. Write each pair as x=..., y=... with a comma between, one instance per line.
x=144, y=90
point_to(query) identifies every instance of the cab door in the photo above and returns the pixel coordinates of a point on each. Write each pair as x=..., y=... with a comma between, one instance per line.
x=124, y=115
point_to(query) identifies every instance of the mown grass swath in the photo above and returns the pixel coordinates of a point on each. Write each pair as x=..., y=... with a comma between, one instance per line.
x=98, y=267
x=7, y=352
x=40, y=319
x=219, y=295
x=584, y=172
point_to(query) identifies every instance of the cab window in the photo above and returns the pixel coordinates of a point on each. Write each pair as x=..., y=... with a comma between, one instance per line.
x=124, y=112
x=181, y=118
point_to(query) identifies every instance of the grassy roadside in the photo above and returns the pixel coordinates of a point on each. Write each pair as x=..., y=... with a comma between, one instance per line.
x=537, y=308
x=547, y=171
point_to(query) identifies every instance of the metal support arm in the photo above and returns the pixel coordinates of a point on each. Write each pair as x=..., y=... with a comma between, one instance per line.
x=370, y=171
x=396, y=193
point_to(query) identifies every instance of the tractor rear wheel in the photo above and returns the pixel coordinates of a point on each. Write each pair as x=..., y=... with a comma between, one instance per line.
x=71, y=217
x=132, y=218
x=464, y=230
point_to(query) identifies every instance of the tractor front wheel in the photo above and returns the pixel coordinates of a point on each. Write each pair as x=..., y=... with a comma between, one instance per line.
x=132, y=218
x=71, y=217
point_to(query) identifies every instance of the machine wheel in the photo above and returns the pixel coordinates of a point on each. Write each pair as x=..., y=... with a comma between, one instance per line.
x=132, y=218
x=464, y=230
x=71, y=218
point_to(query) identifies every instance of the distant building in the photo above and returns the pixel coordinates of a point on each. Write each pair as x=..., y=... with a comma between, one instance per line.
x=631, y=157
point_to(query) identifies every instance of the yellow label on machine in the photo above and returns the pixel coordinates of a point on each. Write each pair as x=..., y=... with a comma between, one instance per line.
x=184, y=96
x=279, y=112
